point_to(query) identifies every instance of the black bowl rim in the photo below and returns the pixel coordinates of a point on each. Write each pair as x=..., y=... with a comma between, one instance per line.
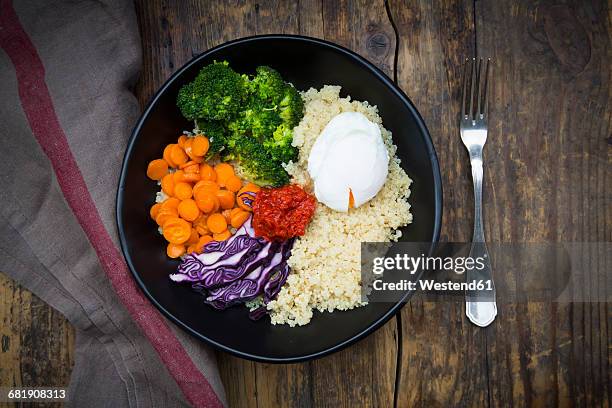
x=381, y=76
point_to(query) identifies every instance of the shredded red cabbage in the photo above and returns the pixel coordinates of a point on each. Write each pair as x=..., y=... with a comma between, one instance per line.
x=237, y=270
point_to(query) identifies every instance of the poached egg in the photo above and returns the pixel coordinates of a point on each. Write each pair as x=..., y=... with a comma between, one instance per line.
x=348, y=162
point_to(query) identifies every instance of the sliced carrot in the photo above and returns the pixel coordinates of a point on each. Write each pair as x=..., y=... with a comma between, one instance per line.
x=226, y=199
x=181, y=140
x=224, y=171
x=164, y=214
x=202, y=229
x=207, y=202
x=175, y=250
x=178, y=176
x=191, y=177
x=235, y=211
x=227, y=215
x=189, y=148
x=154, y=210
x=193, y=238
x=216, y=223
x=188, y=210
x=206, y=186
x=157, y=169
x=166, y=155
x=190, y=167
x=233, y=184
x=204, y=239
x=167, y=184
x=183, y=190
x=199, y=146
x=238, y=218
x=171, y=202
x=207, y=172
x=176, y=230
x=178, y=156
x=222, y=236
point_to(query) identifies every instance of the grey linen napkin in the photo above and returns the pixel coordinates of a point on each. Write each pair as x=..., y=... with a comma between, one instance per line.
x=65, y=116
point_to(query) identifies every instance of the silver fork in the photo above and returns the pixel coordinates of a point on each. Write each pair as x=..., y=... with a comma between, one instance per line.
x=480, y=306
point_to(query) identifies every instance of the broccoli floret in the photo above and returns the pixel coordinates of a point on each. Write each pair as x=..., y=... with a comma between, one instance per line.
x=256, y=120
x=216, y=134
x=256, y=164
x=279, y=145
x=268, y=85
x=216, y=94
x=247, y=120
x=291, y=107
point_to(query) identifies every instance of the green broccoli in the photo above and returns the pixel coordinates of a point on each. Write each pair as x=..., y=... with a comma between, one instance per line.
x=279, y=145
x=291, y=107
x=255, y=162
x=268, y=85
x=217, y=93
x=247, y=120
x=256, y=120
x=216, y=134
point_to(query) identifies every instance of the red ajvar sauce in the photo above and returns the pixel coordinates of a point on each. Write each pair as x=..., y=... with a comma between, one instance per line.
x=282, y=213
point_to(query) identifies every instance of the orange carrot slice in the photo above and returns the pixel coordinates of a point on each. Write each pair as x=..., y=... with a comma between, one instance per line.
x=176, y=230
x=182, y=191
x=166, y=155
x=206, y=186
x=154, y=210
x=224, y=171
x=233, y=184
x=226, y=199
x=190, y=167
x=157, y=169
x=239, y=218
x=192, y=177
x=207, y=172
x=227, y=215
x=188, y=210
x=164, y=214
x=199, y=146
x=207, y=202
x=178, y=176
x=222, y=236
x=193, y=238
x=178, y=156
x=175, y=250
x=216, y=223
x=167, y=184
x=171, y=202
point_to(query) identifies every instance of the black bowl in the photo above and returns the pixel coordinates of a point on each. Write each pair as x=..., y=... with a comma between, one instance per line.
x=305, y=62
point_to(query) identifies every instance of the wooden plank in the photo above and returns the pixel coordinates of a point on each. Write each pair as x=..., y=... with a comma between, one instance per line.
x=443, y=361
x=36, y=341
x=174, y=31
x=550, y=123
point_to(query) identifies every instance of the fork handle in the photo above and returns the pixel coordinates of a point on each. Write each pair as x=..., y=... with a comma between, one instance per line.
x=477, y=175
x=480, y=306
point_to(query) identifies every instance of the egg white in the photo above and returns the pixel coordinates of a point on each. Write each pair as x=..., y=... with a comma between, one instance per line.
x=349, y=155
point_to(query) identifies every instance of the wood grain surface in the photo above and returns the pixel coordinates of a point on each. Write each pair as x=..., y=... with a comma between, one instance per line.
x=547, y=179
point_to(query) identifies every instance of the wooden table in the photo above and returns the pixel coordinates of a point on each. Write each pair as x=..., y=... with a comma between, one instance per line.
x=547, y=179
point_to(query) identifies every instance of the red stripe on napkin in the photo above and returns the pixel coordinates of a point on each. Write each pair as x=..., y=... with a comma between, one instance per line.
x=38, y=107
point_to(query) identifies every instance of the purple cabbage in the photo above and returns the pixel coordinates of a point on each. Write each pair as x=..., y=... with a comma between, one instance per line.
x=237, y=270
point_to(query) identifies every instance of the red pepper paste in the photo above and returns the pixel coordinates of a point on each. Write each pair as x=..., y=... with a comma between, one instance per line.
x=282, y=213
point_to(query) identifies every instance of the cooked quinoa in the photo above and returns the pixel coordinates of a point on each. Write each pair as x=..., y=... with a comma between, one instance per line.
x=325, y=262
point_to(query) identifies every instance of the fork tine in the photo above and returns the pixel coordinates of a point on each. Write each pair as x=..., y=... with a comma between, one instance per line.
x=485, y=91
x=479, y=93
x=472, y=90
x=466, y=68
